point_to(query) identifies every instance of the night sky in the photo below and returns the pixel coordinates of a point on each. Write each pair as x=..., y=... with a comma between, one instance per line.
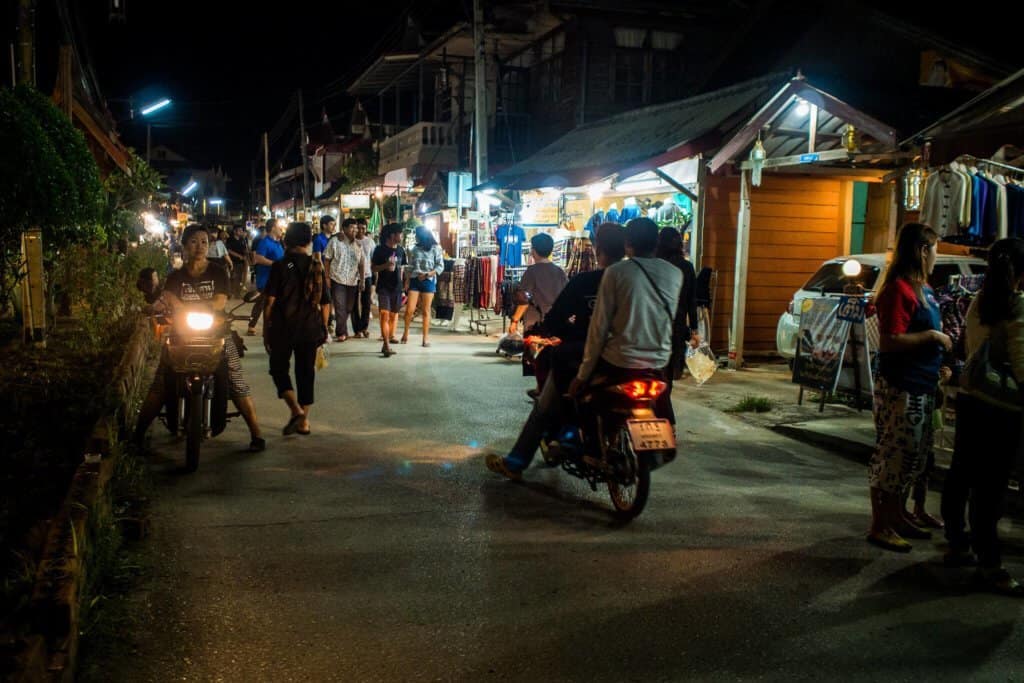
x=232, y=68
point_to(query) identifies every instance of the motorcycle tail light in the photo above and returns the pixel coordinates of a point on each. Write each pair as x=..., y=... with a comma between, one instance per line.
x=199, y=321
x=642, y=389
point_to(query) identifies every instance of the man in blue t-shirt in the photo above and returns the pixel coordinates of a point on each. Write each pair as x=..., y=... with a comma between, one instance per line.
x=324, y=236
x=268, y=250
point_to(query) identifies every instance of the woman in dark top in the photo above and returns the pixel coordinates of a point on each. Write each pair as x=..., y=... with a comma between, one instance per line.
x=670, y=248
x=911, y=344
x=298, y=306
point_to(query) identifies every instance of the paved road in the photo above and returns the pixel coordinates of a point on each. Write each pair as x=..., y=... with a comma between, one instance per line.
x=380, y=549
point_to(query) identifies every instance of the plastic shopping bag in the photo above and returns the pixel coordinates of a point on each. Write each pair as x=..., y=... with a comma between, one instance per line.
x=323, y=358
x=701, y=362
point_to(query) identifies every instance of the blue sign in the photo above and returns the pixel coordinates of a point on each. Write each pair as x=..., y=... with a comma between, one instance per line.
x=809, y=158
x=851, y=309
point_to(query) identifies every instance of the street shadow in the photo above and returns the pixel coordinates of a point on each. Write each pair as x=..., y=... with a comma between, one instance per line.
x=755, y=620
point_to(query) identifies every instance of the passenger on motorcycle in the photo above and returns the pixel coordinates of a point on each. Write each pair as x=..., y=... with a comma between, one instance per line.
x=200, y=281
x=630, y=329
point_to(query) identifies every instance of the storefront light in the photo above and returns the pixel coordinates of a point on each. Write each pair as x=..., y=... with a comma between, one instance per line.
x=597, y=190
x=431, y=223
x=424, y=208
x=490, y=191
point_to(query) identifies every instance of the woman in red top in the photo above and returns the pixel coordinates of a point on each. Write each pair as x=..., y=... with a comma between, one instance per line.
x=911, y=344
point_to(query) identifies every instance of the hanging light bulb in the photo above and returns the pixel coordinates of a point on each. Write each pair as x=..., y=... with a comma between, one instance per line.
x=757, y=158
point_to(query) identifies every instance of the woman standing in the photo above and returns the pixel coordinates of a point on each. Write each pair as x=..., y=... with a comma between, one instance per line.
x=426, y=262
x=295, y=322
x=988, y=430
x=911, y=344
x=670, y=248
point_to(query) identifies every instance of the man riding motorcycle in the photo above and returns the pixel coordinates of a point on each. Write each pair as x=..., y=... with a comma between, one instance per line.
x=630, y=330
x=204, y=283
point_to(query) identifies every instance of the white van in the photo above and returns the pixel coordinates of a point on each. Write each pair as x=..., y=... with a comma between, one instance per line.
x=830, y=280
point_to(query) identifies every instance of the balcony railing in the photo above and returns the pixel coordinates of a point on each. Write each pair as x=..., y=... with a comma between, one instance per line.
x=422, y=143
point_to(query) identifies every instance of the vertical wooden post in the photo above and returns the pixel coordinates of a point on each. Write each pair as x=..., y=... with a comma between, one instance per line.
x=739, y=296
x=33, y=304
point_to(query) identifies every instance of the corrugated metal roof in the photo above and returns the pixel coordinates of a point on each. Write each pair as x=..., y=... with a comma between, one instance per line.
x=596, y=150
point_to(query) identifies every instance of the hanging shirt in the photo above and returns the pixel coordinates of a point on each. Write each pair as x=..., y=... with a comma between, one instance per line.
x=1015, y=209
x=980, y=198
x=944, y=197
x=510, y=241
x=990, y=219
x=628, y=213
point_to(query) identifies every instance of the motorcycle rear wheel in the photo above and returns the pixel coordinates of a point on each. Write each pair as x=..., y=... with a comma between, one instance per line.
x=629, y=501
x=194, y=431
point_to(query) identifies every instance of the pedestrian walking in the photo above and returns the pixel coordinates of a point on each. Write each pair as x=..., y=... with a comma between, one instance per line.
x=387, y=264
x=346, y=265
x=324, y=236
x=267, y=251
x=426, y=262
x=543, y=281
x=911, y=345
x=361, y=311
x=988, y=427
x=670, y=248
x=238, y=251
x=218, y=251
x=297, y=308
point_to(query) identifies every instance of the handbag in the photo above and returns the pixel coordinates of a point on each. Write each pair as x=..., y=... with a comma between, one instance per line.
x=991, y=379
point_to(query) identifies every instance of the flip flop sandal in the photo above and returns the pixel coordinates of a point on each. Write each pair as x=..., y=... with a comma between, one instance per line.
x=426, y=345
x=393, y=341
x=303, y=433
x=1002, y=583
x=888, y=540
x=292, y=426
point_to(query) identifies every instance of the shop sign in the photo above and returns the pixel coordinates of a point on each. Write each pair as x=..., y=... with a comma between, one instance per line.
x=355, y=201
x=809, y=158
x=541, y=210
x=834, y=348
x=821, y=345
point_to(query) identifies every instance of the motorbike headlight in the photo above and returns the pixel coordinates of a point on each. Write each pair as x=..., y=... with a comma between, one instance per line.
x=199, y=321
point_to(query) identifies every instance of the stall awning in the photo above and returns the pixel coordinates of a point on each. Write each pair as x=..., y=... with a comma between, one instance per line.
x=640, y=140
x=999, y=108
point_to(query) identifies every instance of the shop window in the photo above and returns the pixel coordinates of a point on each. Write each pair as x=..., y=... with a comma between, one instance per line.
x=629, y=76
x=548, y=69
x=645, y=65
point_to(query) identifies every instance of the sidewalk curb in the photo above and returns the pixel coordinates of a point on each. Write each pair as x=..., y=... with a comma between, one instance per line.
x=851, y=450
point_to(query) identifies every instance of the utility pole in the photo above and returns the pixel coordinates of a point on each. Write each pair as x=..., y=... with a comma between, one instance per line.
x=266, y=171
x=479, y=93
x=305, y=160
x=26, y=41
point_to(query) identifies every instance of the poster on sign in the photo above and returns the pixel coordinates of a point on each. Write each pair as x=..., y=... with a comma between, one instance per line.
x=821, y=345
x=856, y=376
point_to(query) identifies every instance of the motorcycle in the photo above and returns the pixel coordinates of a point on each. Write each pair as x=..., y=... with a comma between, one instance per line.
x=196, y=384
x=618, y=440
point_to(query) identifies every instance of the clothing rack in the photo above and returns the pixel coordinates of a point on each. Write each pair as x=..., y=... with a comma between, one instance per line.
x=989, y=162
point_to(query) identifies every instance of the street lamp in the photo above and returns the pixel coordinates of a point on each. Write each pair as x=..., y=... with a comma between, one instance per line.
x=146, y=111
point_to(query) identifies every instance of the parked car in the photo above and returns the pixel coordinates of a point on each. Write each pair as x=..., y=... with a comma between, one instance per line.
x=830, y=281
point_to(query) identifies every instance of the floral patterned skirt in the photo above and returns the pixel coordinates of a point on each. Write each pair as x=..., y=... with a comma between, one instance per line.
x=904, y=438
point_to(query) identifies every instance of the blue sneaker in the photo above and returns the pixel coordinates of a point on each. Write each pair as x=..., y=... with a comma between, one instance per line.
x=496, y=463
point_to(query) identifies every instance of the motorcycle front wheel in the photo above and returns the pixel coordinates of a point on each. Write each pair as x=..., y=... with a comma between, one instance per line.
x=194, y=430
x=629, y=500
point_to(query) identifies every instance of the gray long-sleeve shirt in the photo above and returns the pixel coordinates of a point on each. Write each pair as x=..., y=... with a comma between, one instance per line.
x=632, y=322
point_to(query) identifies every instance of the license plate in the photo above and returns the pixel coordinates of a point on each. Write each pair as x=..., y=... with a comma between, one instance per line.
x=651, y=435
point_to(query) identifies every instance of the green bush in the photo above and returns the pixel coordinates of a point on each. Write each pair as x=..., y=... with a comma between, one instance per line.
x=101, y=285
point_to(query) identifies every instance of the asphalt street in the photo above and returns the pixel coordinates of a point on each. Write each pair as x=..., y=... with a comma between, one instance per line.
x=379, y=548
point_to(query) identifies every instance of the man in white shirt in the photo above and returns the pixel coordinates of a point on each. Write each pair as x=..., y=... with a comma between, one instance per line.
x=345, y=262
x=630, y=330
x=361, y=311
